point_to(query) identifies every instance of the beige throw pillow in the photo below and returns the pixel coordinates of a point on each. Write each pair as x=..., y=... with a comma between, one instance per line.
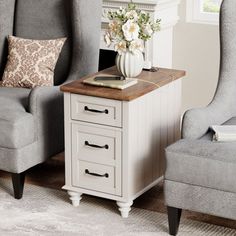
x=31, y=62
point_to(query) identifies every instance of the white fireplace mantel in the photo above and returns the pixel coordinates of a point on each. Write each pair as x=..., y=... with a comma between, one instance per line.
x=158, y=50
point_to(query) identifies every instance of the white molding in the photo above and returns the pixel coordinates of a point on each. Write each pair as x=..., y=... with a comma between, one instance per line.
x=172, y=22
x=150, y=2
x=147, y=5
x=141, y=4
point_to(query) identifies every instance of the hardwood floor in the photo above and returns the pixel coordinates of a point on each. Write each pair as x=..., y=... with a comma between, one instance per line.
x=51, y=175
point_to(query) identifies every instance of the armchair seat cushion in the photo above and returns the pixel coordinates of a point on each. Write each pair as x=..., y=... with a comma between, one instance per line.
x=16, y=125
x=203, y=162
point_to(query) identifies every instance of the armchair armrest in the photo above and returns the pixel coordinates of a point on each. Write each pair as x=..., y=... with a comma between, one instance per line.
x=46, y=105
x=196, y=122
x=40, y=97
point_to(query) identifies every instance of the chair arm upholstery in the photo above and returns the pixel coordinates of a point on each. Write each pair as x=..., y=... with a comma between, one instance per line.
x=46, y=105
x=196, y=122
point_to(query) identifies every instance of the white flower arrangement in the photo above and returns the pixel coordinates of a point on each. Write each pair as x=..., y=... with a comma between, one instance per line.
x=129, y=28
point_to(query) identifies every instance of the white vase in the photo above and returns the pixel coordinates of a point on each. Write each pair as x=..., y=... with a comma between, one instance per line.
x=130, y=65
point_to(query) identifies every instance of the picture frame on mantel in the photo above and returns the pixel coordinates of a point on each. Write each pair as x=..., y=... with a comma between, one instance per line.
x=158, y=51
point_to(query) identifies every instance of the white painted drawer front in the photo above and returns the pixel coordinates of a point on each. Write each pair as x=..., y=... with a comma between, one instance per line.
x=96, y=177
x=96, y=110
x=98, y=145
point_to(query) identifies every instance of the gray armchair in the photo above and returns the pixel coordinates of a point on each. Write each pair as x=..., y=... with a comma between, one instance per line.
x=200, y=174
x=31, y=121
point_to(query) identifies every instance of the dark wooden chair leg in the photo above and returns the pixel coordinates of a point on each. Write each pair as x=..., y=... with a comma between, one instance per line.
x=174, y=215
x=18, y=181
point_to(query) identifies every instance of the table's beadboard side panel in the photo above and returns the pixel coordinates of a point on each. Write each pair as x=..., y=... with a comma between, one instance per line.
x=151, y=122
x=170, y=117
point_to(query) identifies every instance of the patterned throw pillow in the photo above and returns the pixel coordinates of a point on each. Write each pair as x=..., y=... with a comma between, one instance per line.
x=31, y=62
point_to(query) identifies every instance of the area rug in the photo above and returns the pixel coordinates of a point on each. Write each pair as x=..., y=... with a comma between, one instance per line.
x=48, y=212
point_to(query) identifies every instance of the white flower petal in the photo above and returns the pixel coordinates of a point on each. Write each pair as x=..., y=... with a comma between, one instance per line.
x=136, y=45
x=121, y=47
x=132, y=15
x=130, y=30
x=148, y=30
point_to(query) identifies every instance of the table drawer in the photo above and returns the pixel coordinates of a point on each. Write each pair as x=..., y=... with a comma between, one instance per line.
x=97, y=177
x=98, y=145
x=96, y=110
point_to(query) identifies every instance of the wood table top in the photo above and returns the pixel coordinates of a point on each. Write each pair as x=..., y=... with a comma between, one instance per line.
x=147, y=82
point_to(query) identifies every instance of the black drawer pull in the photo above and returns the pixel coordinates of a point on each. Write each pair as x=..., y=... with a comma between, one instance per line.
x=96, y=111
x=95, y=174
x=95, y=146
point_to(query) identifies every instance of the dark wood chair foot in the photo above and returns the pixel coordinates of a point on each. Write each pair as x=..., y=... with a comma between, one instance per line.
x=18, y=181
x=174, y=215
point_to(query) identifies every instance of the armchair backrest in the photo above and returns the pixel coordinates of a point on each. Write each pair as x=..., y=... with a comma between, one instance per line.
x=7, y=8
x=225, y=95
x=78, y=20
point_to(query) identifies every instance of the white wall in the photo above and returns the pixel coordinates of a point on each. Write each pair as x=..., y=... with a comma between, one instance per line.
x=196, y=50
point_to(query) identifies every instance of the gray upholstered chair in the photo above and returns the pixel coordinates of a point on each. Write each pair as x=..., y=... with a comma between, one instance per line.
x=31, y=121
x=200, y=174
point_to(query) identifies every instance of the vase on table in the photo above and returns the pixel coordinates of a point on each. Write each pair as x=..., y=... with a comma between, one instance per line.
x=128, y=30
x=130, y=64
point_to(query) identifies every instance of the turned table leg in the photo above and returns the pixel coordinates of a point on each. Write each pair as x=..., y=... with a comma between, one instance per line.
x=75, y=198
x=124, y=208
